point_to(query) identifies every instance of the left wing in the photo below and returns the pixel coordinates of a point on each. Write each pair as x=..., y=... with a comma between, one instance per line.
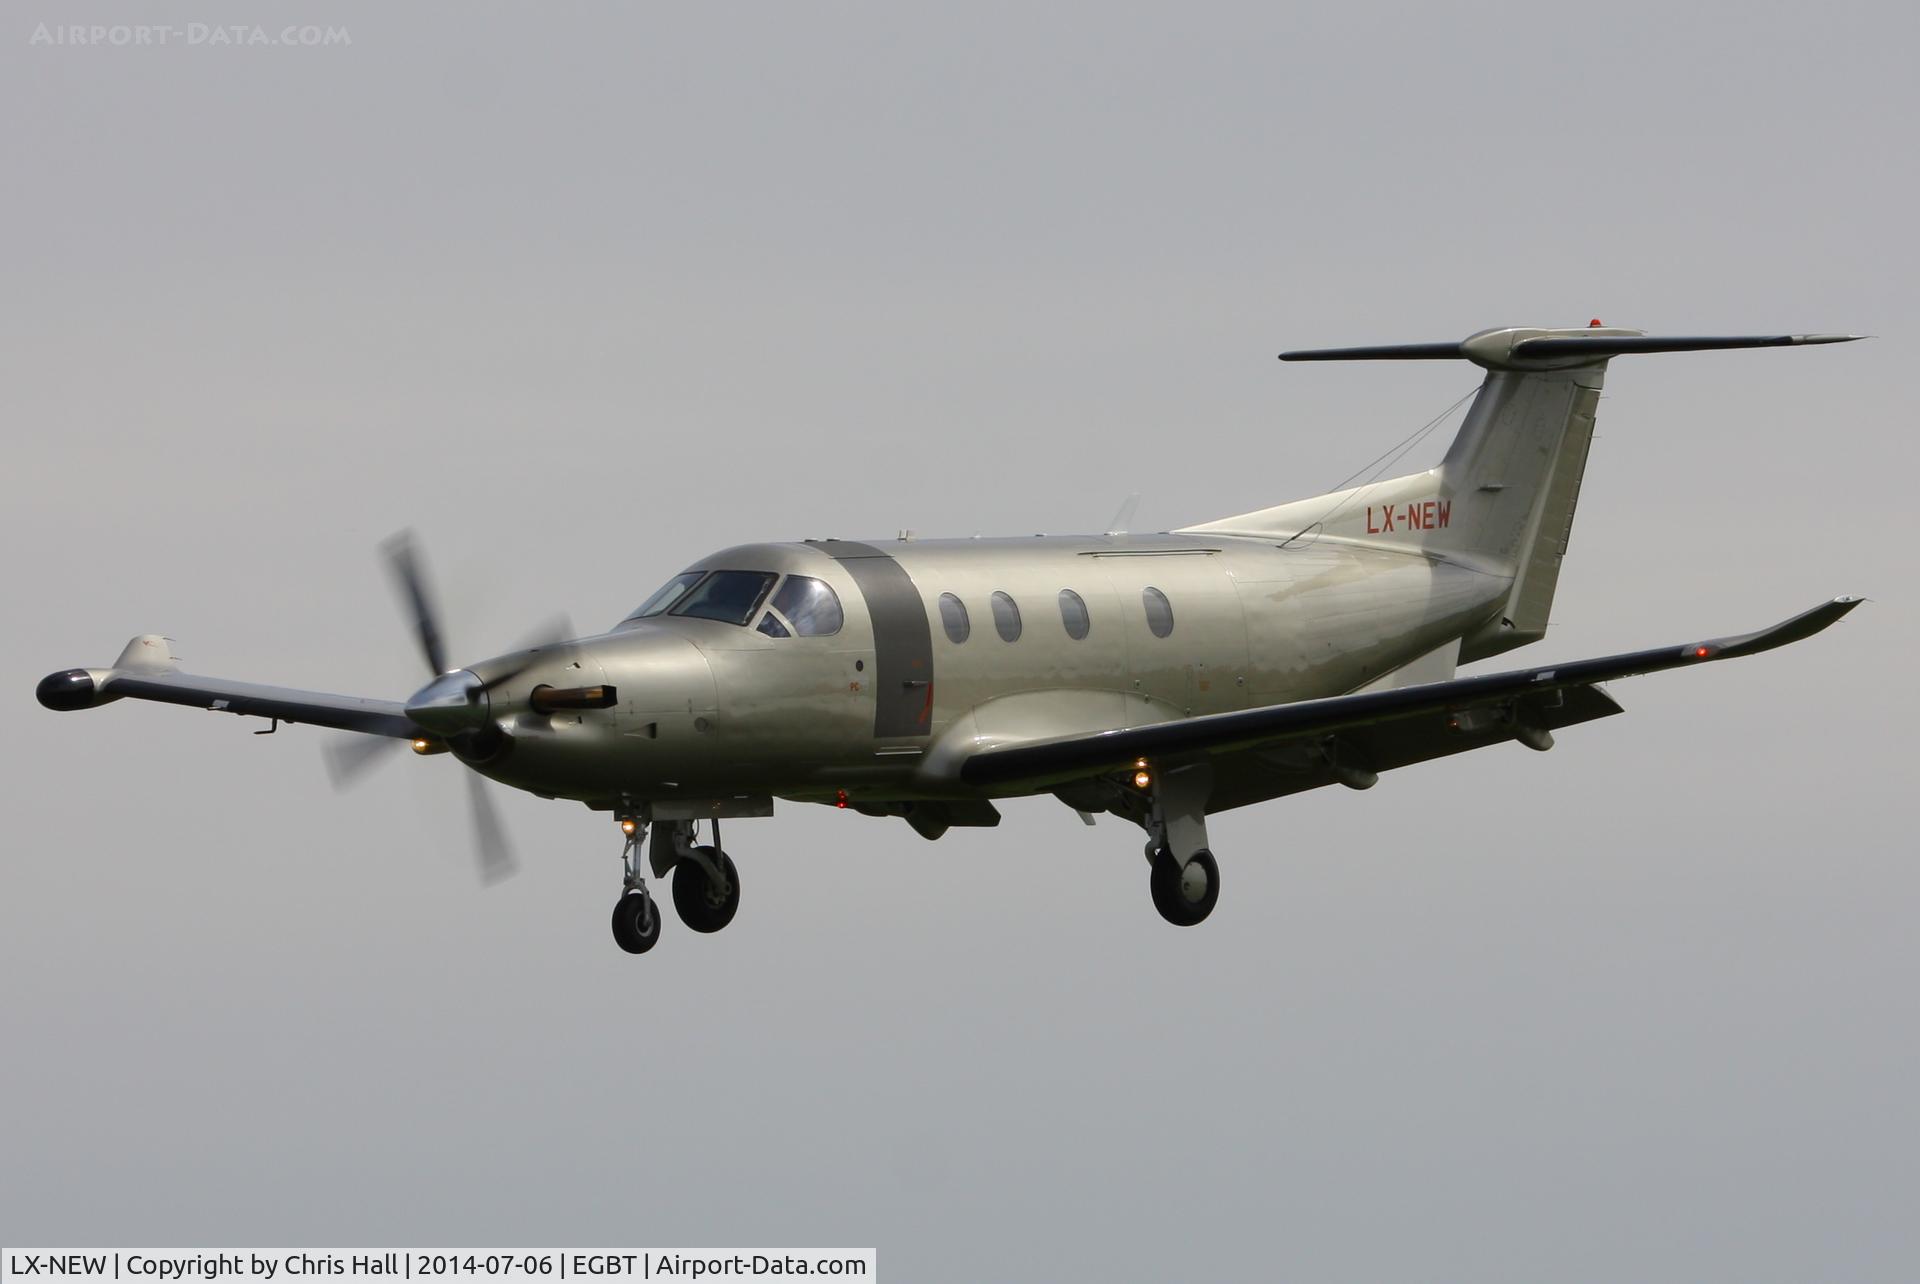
x=1518, y=703
x=146, y=670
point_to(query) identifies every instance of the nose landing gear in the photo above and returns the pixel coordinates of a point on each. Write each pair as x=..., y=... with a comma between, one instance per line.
x=706, y=884
x=636, y=918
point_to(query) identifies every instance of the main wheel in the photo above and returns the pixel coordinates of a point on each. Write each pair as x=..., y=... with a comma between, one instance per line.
x=1185, y=896
x=636, y=922
x=703, y=906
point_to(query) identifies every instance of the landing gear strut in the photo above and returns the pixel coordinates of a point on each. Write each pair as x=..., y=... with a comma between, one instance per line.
x=636, y=918
x=1186, y=879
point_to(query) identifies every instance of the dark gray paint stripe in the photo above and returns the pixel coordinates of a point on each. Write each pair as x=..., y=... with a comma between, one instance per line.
x=902, y=638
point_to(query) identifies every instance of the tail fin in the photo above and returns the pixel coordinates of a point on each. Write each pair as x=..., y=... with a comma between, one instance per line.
x=1504, y=496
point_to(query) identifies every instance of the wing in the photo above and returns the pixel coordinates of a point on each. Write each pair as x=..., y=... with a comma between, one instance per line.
x=145, y=671
x=1352, y=736
x=348, y=713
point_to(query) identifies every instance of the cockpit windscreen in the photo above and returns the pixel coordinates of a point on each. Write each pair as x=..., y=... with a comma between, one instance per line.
x=669, y=593
x=729, y=596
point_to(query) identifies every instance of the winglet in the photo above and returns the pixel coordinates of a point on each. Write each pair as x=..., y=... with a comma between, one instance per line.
x=1803, y=625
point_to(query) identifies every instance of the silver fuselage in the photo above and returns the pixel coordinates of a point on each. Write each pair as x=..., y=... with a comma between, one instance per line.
x=887, y=707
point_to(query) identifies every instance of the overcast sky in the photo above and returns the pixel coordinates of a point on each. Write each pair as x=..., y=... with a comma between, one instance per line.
x=586, y=292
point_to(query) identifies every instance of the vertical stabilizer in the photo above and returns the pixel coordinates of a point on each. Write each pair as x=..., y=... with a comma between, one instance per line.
x=1503, y=499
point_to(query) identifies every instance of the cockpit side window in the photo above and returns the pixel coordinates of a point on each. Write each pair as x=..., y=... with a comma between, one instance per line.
x=810, y=605
x=670, y=592
x=728, y=596
x=771, y=626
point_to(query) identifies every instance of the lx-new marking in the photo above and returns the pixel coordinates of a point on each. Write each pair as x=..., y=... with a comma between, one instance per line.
x=1432, y=515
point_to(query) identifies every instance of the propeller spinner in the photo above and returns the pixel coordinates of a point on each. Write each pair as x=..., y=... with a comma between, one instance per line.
x=455, y=706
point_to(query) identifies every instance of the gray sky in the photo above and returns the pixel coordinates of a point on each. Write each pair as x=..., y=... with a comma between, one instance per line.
x=585, y=293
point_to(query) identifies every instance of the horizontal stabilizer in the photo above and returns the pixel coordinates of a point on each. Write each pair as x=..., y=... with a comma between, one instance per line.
x=1625, y=345
x=1382, y=352
x=1532, y=349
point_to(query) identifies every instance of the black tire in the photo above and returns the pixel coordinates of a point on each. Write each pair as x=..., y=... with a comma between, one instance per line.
x=636, y=923
x=1174, y=891
x=700, y=905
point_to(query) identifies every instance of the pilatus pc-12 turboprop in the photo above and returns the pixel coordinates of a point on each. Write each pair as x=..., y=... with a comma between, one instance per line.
x=1159, y=678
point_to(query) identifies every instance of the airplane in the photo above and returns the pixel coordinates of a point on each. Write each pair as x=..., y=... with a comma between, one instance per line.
x=1157, y=678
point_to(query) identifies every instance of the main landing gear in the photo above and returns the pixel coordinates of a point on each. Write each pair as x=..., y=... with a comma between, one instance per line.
x=706, y=885
x=1185, y=882
x=1184, y=894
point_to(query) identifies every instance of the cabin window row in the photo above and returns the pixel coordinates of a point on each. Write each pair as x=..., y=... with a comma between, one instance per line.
x=1074, y=616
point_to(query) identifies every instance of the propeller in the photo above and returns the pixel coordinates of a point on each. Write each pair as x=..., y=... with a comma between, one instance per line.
x=349, y=756
x=489, y=835
x=453, y=705
x=403, y=563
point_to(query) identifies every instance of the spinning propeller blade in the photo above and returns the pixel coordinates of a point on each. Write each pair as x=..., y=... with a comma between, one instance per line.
x=489, y=836
x=551, y=633
x=403, y=563
x=349, y=757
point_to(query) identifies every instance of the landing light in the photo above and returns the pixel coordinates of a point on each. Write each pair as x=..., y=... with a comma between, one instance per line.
x=628, y=825
x=422, y=746
x=1142, y=777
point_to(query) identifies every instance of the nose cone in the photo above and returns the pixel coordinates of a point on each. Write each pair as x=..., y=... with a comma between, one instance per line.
x=450, y=704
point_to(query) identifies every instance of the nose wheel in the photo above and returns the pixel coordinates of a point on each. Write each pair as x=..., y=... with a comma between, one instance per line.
x=636, y=916
x=636, y=922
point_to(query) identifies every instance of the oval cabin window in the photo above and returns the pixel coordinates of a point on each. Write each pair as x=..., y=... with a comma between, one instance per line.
x=1159, y=612
x=1073, y=614
x=1006, y=617
x=953, y=617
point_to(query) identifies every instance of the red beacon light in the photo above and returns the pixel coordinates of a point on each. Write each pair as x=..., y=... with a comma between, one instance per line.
x=1702, y=652
x=1595, y=324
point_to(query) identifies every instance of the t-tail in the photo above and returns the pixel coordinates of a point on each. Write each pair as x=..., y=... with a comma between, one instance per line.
x=1503, y=498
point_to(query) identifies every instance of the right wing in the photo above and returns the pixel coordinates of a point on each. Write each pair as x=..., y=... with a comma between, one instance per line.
x=1408, y=723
